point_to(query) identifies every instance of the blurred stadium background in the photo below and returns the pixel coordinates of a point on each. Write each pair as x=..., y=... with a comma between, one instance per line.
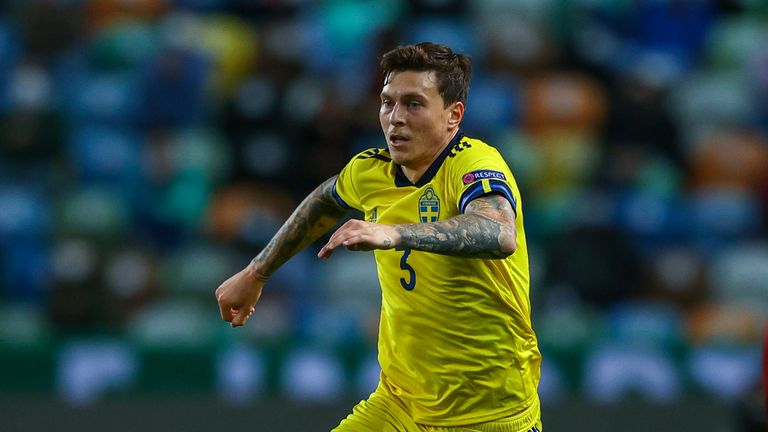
x=149, y=148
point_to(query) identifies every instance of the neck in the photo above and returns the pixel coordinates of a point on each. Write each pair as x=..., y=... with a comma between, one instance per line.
x=414, y=172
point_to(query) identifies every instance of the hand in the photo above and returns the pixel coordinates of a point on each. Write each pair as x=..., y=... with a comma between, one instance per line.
x=357, y=235
x=238, y=295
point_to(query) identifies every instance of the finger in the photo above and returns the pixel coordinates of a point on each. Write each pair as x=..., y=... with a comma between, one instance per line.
x=357, y=238
x=224, y=310
x=339, y=234
x=241, y=317
x=351, y=242
x=344, y=227
x=342, y=239
x=335, y=241
x=349, y=228
x=359, y=242
x=325, y=251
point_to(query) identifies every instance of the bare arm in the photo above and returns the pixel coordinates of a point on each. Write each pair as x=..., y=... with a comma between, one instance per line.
x=238, y=295
x=485, y=230
x=318, y=213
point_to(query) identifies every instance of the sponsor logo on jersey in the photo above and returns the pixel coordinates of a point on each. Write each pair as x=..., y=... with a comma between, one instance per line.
x=429, y=206
x=482, y=175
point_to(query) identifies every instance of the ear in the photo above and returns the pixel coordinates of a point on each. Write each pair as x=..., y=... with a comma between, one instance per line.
x=455, y=114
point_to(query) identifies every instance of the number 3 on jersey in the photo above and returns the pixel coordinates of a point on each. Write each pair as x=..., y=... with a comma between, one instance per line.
x=410, y=283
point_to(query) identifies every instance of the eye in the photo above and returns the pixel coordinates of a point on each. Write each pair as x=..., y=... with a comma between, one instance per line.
x=414, y=104
x=386, y=102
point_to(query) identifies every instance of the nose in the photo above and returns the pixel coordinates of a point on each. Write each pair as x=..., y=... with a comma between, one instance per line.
x=397, y=115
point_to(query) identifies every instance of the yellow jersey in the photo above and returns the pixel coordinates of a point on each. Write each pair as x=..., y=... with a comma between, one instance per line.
x=456, y=345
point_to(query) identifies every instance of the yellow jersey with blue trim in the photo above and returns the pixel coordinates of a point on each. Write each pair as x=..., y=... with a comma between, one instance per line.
x=456, y=344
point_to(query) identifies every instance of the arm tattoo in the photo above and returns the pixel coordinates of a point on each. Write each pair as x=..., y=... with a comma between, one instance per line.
x=485, y=230
x=318, y=213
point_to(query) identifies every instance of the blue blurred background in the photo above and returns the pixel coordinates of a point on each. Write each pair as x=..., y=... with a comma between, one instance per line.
x=150, y=148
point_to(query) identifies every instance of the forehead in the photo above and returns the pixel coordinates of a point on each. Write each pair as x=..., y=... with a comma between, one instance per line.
x=409, y=82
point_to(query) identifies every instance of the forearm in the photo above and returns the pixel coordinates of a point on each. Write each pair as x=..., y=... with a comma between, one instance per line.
x=466, y=235
x=318, y=213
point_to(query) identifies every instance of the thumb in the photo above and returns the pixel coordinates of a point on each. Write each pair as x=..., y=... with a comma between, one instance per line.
x=242, y=316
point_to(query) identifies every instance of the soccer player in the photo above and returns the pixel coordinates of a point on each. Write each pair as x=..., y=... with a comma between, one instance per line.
x=444, y=218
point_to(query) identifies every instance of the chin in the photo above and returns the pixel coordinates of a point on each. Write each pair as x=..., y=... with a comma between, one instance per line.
x=398, y=157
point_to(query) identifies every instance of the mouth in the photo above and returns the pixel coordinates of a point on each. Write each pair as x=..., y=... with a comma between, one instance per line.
x=397, y=139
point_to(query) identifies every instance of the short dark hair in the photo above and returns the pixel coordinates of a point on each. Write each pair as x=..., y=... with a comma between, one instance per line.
x=453, y=70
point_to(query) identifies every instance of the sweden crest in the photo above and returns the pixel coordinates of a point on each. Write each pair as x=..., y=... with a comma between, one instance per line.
x=429, y=206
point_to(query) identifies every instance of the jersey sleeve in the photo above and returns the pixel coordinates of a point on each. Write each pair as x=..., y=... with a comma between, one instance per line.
x=344, y=191
x=487, y=174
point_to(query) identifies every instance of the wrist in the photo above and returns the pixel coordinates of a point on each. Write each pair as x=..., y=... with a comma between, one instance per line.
x=257, y=271
x=396, y=236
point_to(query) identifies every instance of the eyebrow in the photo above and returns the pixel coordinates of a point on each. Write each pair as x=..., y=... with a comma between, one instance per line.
x=412, y=95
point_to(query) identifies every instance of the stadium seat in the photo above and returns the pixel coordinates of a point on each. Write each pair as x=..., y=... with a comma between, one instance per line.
x=241, y=374
x=89, y=369
x=739, y=276
x=725, y=372
x=311, y=375
x=613, y=373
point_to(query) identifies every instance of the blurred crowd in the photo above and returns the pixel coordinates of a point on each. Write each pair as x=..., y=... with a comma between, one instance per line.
x=150, y=148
